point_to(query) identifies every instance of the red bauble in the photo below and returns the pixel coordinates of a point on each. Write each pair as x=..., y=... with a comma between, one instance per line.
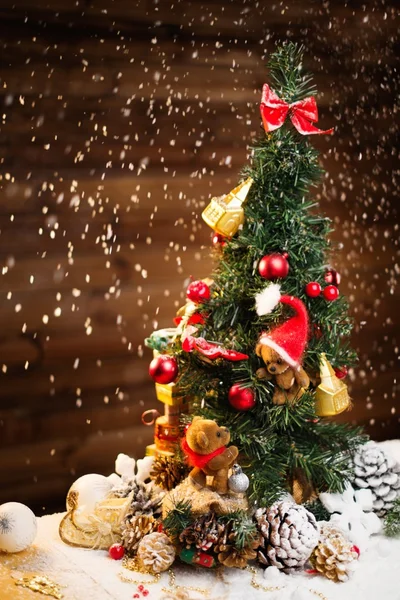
x=163, y=369
x=333, y=277
x=241, y=398
x=341, y=372
x=331, y=293
x=273, y=266
x=198, y=291
x=116, y=551
x=218, y=240
x=313, y=289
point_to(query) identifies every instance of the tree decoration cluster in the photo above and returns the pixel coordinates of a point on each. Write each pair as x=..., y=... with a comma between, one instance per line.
x=272, y=409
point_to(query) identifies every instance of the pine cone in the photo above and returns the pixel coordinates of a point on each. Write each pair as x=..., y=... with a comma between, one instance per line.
x=232, y=557
x=124, y=488
x=203, y=533
x=377, y=471
x=155, y=553
x=289, y=535
x=145, y=500
x=333, y=557
x=134, y=530
x=226, y=539
x=167, y=472
x=229, y=555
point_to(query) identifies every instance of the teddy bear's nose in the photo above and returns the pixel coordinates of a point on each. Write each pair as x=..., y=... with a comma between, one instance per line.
x=225, y=429
x=272, y=369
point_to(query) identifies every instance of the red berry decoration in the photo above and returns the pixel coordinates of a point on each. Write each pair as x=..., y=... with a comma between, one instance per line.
x=241, y=398
x=198, y=291
x=163, y=369
x=333, y=277
x=116, y=551
x=218, y=240
x=341, y=373
x=313, y=289
x=273, y=266
x=331, y=293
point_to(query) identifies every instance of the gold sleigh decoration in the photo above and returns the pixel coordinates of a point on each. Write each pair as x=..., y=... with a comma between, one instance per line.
x=97, y=531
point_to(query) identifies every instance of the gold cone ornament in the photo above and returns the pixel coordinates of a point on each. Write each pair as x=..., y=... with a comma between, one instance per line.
x=225, y=214
x=332, y=396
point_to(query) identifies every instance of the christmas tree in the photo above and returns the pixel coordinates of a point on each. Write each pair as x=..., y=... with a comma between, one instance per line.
x=262, y=349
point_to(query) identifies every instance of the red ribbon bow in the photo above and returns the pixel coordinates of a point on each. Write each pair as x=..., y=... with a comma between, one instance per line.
x=302, y=114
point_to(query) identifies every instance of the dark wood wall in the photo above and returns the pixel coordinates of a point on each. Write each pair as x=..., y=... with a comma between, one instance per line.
x=119, y=120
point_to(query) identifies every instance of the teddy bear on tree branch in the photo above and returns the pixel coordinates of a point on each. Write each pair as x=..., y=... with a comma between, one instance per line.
x=282, y=348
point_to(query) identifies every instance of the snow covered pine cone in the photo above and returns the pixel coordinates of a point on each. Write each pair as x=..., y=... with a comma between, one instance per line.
x=134, y=529
x=145, y=499
x=289, y=535
x=155, y=553
x=203, y=533
x=334, y=556
x=377, y=471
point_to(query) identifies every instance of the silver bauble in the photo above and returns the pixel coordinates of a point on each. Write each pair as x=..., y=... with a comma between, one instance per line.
x=238, y=482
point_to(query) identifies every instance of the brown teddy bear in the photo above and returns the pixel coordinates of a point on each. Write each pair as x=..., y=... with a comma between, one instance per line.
x=290, y=382
x=205, y=446
x=282, y=347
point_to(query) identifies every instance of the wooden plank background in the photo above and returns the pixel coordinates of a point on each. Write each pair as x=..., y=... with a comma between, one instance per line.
x=119, y=120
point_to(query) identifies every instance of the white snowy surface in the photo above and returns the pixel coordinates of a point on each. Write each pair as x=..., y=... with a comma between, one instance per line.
x=352, y=514
x=91, y=575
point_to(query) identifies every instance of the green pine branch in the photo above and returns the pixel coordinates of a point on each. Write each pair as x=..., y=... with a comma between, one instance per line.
x=178, y=519
x=392, y=520
x=243, y=527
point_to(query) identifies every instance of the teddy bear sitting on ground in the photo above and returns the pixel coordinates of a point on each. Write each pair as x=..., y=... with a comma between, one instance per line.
x=205, y=446
x=290, y=382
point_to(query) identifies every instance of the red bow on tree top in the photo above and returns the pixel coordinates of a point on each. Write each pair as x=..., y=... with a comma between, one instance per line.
x=302, y=114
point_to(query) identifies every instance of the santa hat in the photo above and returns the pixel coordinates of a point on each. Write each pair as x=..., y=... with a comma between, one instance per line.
x=289, y=339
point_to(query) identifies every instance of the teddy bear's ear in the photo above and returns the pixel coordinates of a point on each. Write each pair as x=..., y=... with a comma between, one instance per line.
x=202, y=440
x=196, y=418
x=258, y=350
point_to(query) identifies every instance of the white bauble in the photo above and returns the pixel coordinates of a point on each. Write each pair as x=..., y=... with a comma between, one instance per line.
x=17, y=527
x=91, y=489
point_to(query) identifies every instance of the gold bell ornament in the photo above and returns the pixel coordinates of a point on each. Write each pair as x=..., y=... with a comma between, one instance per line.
x=332, y=396
x=225, y=214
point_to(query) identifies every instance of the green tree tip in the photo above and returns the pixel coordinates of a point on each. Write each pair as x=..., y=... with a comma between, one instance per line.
x=287, y=77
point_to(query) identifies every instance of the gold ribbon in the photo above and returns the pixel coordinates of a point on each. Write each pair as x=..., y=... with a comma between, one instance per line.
x=96, y=528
